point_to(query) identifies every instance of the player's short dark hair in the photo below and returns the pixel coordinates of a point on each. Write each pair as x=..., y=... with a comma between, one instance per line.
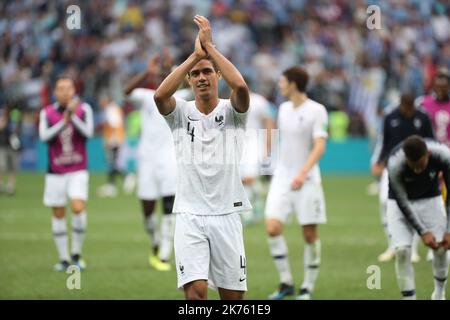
x=63, y=77
x=414, y=148
x=299, y=76
x=407, y=98
x=214, y=64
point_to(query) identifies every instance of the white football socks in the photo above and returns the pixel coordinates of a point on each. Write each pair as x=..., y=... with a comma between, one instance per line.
x=151, y=227
x=440, y=271
x=405, y=273
x=311, y=263
x=79, y=224
x=279, y=252
x=59, y=230
x=167, y=230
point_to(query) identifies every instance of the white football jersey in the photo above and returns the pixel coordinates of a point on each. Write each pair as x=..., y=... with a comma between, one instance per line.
x=258, y=110
x=208, y=149
x=156, y=142
x=299, y=127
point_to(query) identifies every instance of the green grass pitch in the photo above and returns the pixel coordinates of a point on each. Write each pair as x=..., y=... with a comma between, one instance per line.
x=116, y=249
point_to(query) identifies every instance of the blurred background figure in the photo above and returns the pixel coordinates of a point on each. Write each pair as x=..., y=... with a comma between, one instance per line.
x=10, y=123
x=113, y=128
x=256, y=149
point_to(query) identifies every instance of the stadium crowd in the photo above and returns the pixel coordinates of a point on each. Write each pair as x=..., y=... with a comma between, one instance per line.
x=354, y=70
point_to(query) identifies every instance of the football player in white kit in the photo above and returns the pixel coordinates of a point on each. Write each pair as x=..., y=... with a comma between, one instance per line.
x=255, y=152
x=157, y=167
x=208, y=134
x=296, y=183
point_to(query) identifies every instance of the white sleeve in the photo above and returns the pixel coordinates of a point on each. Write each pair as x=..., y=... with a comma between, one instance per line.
x=47, y=133
x=320, y=127
x=240, y=118
x=138, y=95
x=85, y=127
x=173, y=119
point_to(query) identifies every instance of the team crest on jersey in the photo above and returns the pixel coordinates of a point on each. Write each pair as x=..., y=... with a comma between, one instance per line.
x=417, y=123
x=395, y=123
x=219, y=120
x=432, y=174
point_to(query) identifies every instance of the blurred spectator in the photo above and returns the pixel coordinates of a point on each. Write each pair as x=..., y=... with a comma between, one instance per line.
x=351, y=67
x=113, y=128
x=10, y=120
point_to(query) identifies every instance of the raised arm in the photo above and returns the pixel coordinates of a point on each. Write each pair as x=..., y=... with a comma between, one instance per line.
x=164, y=94
x=84, y=126
x=139, y=79
x=47, y=133
x=240, y=96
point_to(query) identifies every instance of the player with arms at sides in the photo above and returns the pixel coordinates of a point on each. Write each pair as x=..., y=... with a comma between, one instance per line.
x=296, y=183
x=208, y=135
x=255, y=152
x=399, y=124
x=65, y=126
x=157, y=168
x=415, y=205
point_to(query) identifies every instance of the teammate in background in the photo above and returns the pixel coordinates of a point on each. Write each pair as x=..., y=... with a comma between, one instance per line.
x=296, y=182
x=398, y=125
x=208, y=135
x=9, y=148
x=415, y=204
x=65, y=126
x=157, y=167
x=255, y=152
x=113, y=138
x=437, y=105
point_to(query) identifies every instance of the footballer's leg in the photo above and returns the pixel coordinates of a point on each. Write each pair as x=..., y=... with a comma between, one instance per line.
x=415, y=257
x=279, y=252
x=196, y=290
x=311, y=261
x=401, y=236
x=59, y=229
x=55, y=197
x=78, y=189
x=150, y=223
x=278, y=207
x=405, y=272
x=166, y=232
x=226, y=294
x=79, y=226
x=389, y=253
x=440, y=272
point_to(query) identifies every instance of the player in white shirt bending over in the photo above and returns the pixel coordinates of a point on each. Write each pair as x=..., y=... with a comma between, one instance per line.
x=208, y=134
x=156, y=164
x=296, y=183
x=255, y=151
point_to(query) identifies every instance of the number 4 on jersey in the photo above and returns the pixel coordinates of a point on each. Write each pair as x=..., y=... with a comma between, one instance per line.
x=190, y=132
